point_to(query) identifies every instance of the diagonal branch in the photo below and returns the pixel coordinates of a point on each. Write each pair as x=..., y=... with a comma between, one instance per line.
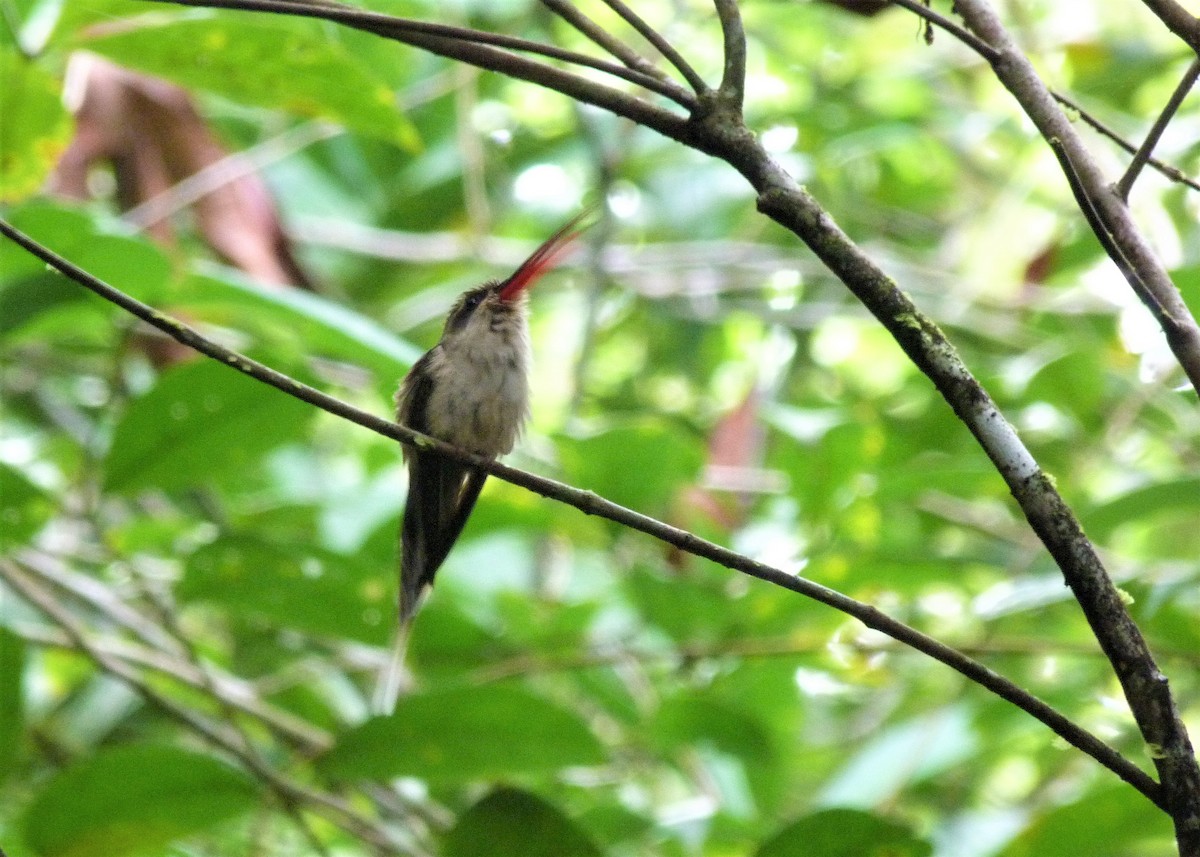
x=235, y=693
x=601, y=37
x=592, y=504
x=409, y=31
x=473, y=52
x=733, y=79
x=991, y=55
x=1179, y=20
x=1173, y=173
x=1156, y=131
x=1144, y=685
x=660, y=44
x=246, y=747
x=1113, y=223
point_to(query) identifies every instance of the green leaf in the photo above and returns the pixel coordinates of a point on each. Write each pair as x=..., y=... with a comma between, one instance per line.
x=201, y=424
x=134, y=800
x=466, y=734
x=513, y=823
x=35, y=129
x=280, y=64
x=901, y=754
x=12, y=705
x=315, y=325
x=1074, y=381
x=1106, y=823
x=687, y=607
x=844, y=833
x=29, y=290
x=688, y=721
x=638, y=464
x=1141, y=504
x=612, y=822
x=23, y=507
x=292, y=585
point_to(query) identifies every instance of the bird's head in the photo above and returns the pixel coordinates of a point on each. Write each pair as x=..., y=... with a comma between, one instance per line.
x=499, y=305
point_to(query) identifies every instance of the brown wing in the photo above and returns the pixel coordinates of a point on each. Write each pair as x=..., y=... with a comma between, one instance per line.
x=441, y=495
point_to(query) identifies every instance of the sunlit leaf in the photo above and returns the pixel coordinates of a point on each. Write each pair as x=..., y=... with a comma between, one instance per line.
x=315, y=326
x=466, y=734
x=201, y=424
x=513, y=823
x=291, y=586
x=282, y=65
x=133, y=799
x=36, y=127
x=844, y=833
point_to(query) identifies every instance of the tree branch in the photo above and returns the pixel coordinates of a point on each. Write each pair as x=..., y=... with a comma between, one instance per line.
x=602, y=38
x=1156, y=131
x=1179, y=21
x=733, y=79
x=720, y=131
x=1143, y=683
x=592, y=504
x=1173, y=173
x=660, y=44
x=991, y=54
x=229, y=714
x=1113, y=223
x=426, y=34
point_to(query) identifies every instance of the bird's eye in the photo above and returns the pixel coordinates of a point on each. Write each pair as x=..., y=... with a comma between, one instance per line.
x=473, y=301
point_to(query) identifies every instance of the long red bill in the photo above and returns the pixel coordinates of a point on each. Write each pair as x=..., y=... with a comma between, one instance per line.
x=544, y=258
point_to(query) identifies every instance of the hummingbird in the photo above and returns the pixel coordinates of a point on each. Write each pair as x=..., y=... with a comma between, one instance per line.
x=470, y=390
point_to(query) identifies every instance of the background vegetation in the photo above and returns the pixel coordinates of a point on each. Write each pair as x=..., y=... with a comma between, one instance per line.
x=199, y=572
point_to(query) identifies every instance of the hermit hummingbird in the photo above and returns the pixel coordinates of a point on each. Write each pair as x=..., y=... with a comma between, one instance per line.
x=470, y=390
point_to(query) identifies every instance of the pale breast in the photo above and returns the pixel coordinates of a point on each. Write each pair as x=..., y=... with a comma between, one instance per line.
x=480, y=395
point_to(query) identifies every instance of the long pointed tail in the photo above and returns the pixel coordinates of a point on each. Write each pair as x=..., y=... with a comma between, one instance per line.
x=393, y=675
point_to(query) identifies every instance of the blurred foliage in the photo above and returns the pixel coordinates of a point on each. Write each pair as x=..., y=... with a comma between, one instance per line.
x=577, y=689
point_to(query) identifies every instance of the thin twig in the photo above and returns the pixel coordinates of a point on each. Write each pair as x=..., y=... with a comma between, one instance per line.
x=1095, y=218
x=407, y=30
x=478, y=54
x=1179, y=20
x=733, y=34
x=1017, y=74
x=592, y=504
x=162, y=652
x=918, y=8
x=1156, y=131
x=1173, y=173
x=300, y=734
x=566, y=10
x=664, y=47
x=97, y=595
x=989, y=53
x=1144, y=686
x=291, y=806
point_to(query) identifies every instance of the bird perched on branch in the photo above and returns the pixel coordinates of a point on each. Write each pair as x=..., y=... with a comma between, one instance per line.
x=470, y=390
